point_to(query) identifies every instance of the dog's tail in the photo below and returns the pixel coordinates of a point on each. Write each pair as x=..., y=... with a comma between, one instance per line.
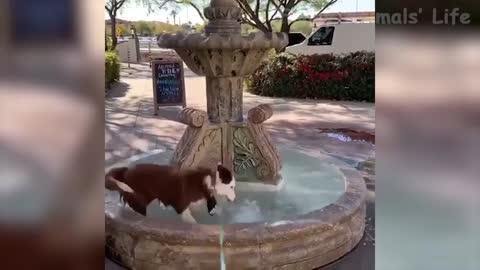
x=115, y=180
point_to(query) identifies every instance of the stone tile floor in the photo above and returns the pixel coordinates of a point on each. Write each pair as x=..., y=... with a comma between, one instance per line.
x=131, y=128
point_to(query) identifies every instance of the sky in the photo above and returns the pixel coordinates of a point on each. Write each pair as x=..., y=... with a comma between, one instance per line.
x=134, y=12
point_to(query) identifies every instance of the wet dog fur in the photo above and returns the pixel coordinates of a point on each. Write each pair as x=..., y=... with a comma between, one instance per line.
x=141, y=184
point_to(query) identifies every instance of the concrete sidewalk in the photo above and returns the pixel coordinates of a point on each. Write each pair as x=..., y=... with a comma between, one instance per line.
x=131, y=128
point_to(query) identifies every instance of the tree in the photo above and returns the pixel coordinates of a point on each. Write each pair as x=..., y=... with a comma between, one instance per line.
x=122, y=30
x=262, y=14
x=160, y=28
x=304, y=27
x=145, y=28
x=153, y=5
x=199, y=28
x=112, y=7
x=173, y=13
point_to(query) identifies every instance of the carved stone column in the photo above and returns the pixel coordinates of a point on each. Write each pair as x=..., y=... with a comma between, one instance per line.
x=224, y=99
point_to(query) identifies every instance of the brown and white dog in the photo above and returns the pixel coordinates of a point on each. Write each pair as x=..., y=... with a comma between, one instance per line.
x=141, y=184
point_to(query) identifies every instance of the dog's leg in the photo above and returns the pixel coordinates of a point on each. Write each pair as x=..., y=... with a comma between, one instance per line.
x=187, y=216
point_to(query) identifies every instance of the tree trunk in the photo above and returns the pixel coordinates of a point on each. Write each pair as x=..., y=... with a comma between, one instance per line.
x=284, y=29
x=113, y=20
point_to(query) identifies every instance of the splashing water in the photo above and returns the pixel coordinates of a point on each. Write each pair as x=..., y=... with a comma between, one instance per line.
x=309, y=184
x=222, y=254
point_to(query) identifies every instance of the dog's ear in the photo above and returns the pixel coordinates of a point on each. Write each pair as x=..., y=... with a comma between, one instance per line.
x=225, y=174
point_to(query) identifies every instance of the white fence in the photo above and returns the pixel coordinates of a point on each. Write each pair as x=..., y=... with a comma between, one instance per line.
x=148, y=49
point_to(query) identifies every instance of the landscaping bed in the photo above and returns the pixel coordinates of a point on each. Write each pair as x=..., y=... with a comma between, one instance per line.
x=349, y=77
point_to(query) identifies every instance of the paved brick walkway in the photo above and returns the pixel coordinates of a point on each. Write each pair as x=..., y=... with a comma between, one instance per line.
x=131, y=128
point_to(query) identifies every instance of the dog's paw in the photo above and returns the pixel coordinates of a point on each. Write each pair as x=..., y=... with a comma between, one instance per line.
x=213, y=212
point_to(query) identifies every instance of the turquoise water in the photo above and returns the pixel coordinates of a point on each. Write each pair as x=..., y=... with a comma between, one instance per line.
x=308, y=184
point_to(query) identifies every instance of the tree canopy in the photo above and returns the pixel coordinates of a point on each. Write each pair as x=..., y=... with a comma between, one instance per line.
x=264, y=15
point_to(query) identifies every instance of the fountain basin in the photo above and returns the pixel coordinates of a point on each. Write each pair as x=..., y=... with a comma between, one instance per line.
x=223, y=56
x=305, y=240
x=198, y=41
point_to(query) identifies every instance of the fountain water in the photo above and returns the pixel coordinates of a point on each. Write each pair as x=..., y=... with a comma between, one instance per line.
x=316, y=217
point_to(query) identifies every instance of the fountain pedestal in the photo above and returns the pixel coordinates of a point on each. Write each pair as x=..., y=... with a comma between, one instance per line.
x=225, y=57
x=245, y=145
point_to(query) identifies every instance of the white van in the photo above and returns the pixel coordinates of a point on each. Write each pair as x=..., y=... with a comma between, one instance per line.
x=337, y=39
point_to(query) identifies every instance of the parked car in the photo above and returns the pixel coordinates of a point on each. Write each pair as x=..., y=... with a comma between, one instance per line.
x=337, y=39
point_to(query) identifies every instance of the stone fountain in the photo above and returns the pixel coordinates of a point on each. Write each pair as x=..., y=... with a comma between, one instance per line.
x=316, y=218
x=224, y=56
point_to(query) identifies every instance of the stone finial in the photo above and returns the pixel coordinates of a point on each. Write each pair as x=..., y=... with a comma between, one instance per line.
x=260, y=113
x=224, y=17
x=193, y=117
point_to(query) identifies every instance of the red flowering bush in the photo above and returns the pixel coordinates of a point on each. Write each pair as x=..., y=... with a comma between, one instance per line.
x=327, y=76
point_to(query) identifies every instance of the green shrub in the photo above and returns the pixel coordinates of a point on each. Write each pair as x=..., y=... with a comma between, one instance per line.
x=327, y=76
x=112, y=68
x=109, y=43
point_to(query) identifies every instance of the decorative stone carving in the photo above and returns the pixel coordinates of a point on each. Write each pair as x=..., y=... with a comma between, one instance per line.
x=260, y=114
x=257, y=40
x=224, y=99
x=222, y=63
x=223, y=13
x=209, y=151
x=255, y=155
x=184, y=147
x=272, y=161
x=246, y=154
x=193, y=117
x=269, y=169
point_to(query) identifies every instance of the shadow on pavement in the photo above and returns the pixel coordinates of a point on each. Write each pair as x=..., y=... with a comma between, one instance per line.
x=118, y=89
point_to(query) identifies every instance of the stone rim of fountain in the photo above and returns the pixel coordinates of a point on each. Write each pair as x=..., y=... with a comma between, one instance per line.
x=334, y=229
x=348, y=203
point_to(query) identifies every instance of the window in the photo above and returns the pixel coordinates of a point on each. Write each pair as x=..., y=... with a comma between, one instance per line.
x=295, y=38
x=323, y=36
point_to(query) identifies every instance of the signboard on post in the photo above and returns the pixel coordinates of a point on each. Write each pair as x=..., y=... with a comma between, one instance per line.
x=168, y=83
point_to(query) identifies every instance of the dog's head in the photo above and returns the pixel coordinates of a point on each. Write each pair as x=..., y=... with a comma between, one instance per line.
x=225, y=182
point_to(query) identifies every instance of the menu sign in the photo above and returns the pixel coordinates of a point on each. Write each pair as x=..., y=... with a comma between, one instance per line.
x=168, y=83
